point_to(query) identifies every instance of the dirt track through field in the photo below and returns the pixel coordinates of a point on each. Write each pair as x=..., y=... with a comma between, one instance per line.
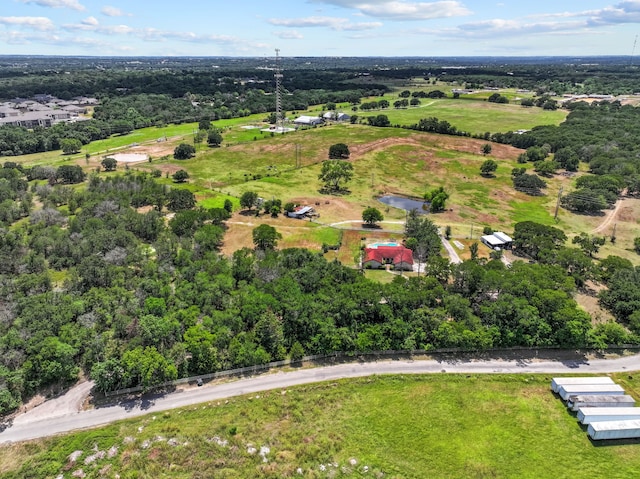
x=611, y=216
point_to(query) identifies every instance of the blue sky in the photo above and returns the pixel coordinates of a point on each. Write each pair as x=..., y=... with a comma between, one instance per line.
x=318, y=27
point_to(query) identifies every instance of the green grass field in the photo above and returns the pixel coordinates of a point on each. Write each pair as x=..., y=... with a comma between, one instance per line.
x=474, y=116
x=435, y=426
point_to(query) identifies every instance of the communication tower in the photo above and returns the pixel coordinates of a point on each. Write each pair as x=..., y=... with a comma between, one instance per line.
x=279, y=76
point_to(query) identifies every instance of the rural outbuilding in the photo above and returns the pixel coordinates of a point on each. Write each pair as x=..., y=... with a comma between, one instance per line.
x=587, y=415
x=497, y=240
x=614, y=430
x=591, y=389
x=557, y=382
x=305, y=120
x=577, y=402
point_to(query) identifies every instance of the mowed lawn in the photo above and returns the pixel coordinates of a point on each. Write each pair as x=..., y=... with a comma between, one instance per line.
x=429, y=426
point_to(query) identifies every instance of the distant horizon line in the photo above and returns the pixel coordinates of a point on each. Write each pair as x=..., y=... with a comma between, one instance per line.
x=26, y=55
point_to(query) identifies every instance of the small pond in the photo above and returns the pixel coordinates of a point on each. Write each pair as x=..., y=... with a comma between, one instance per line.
x=405, y=203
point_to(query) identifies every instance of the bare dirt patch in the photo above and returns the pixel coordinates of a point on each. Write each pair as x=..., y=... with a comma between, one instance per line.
x=588, y=300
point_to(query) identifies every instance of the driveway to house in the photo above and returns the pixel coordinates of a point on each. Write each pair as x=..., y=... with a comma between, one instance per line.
x=453, y=255
x=39, y=425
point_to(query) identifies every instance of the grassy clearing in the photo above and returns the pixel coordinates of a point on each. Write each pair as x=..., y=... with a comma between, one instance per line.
x=439, y=426
x=476, y=116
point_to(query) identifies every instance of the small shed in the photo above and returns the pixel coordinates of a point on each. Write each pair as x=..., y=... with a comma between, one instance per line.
x=301, y=212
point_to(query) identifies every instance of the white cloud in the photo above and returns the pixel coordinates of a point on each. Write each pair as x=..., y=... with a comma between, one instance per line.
x=334, y=23
x=36, y=23
x=72, y=4
x=289, y=35
x=403, y=10
x=110, y=11
x=156, y=35
x=90, y=21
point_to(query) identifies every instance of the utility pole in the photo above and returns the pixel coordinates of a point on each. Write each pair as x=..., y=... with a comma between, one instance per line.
x=613, y=234
x=555, y=216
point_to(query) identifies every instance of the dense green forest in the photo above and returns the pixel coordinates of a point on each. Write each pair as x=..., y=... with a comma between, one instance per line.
x=90, y=282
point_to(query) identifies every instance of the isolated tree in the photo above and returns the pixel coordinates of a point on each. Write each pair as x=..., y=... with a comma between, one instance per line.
x=636, y=245
x=265, y=237
x=447, y=232
x=488, y=167
x=180, y=176
x=473, y=249
x=228, y=205
x=371, y=216
x=339, y=151
x=486, y=149
x=529, y=184
x=421, y=233
x=184, y=151
x=70, y=145
x=180, y=199
x=204, y=124
x=214, y=138
x=437, y=199
x=109, y=164
x=334, y=173
x=248, y=199
x=405, y=94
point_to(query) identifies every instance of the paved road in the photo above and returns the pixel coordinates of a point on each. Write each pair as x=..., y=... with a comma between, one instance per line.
x=39, y=427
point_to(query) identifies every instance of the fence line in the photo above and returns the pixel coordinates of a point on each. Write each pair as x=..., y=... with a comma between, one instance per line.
x=355, y=355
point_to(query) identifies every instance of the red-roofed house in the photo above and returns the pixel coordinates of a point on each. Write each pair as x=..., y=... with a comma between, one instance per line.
x=397, y=256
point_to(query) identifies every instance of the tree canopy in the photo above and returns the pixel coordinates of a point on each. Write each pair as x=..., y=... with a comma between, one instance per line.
x=335, y=173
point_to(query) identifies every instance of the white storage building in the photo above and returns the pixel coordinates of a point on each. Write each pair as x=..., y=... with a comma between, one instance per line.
x=591, y=389
x=577, y=402
x=614, y=430
x=557, y=382
x=587, y=415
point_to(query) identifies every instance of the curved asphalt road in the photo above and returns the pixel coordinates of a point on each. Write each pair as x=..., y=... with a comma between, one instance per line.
x=25, y=429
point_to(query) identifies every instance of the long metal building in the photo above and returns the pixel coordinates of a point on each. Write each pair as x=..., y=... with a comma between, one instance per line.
x=587, y=415
x=614, y=430
x=591, y=389
x=557, y=382
x=577, y=402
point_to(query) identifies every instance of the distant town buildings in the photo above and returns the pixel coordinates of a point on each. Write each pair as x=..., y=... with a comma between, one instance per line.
x=43, y=110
